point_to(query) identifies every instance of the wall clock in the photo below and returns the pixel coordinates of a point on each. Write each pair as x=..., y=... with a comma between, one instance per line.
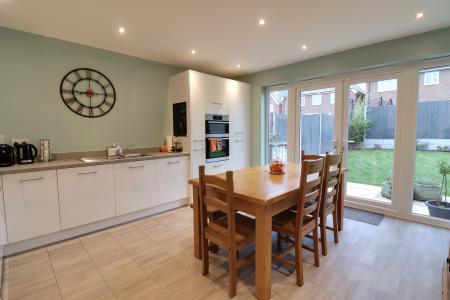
x=88, y=93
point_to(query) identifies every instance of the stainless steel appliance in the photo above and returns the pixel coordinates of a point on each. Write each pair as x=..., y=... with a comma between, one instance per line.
x=6, y=155
x=25, y=153
x=46, y=150
x=217, y=140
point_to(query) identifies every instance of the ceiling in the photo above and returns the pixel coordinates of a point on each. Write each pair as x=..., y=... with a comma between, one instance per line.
x=225, y=33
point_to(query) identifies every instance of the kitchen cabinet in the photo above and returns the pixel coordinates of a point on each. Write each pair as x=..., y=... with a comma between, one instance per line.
x=172, y=179
x=86, y=195
x=239, y=124
x=31, y=204
x=218, y=167
x=135, y=186
x=209, y=93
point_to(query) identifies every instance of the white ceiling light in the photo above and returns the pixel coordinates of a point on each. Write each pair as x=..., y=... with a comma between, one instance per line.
x=238, y=66
x=420, y=15
x=193, y=51
x=122, y=30
x=304, y=47
x=261, y=22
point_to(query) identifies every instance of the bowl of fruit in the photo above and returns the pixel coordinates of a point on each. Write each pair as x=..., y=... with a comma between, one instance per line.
x=277, y=168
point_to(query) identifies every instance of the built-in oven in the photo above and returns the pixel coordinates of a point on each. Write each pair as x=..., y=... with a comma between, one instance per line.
x=217, y=140
x=217, y=124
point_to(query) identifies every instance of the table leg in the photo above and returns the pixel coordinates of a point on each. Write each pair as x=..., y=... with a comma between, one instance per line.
x=196, y=220
x=341, y=203
x=263, y=253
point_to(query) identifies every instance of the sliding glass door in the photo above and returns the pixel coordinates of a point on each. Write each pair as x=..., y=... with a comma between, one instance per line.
x=277, y=124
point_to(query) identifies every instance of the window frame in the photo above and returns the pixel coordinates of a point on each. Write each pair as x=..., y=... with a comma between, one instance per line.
x=386, y=87
x=319, y=96
x=432, y=79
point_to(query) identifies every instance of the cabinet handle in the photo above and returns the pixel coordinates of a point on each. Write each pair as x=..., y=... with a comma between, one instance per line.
x=198, y=150
x=135, y=167
x=217, y=166
x=239, y=132
x=32, y=179
x=198, y=140
x=239, y=140
x=87, y=173
x=173, y=162
x=217, y=103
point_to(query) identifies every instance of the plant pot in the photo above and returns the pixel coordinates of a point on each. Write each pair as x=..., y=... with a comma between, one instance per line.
x=386, y=190
x=436, y=211
x=427, y=191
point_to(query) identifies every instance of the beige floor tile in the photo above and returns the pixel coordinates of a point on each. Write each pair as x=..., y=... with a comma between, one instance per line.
x=130, y=237
x=121, y=229
x=45, y=290
x=103, y=249
x=69, y=255
x=147, y=289
x=145, y=223
x=63, y=244
x=123, y=273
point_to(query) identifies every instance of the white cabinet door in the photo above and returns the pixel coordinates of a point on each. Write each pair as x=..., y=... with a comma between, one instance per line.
x=135, y=186
x=209, y=93
x=218, y=167
x=3, y=235
x=86, y=195
x=239, y=124
x=31, y=204
x=172, y=179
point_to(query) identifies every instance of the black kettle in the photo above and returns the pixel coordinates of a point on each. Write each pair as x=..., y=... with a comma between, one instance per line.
x=25, y=153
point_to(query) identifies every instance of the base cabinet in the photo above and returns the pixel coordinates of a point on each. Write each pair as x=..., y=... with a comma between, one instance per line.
x=172, y=183
x=86, y=195
x=31, y=204
x=135, y=186
x=217, y=167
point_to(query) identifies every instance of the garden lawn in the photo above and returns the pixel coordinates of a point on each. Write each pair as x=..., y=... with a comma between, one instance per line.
x=375, y=166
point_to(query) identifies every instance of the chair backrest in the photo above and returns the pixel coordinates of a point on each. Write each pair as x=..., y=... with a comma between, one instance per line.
x=218, y=193
x=310, y=190
x=331, y=178
x=309, y=156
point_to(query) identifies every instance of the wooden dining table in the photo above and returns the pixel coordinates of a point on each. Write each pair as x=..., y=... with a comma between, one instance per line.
x=262, y=195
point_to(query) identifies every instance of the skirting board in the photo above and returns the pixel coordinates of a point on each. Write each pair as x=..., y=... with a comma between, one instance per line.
x=51, y=238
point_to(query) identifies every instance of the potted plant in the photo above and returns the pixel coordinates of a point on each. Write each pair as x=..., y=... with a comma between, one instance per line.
x=441, y=208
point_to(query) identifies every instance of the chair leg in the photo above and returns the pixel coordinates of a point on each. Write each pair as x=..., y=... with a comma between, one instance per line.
x=316, y=246
x=232, y=281
x=335, y=226
x=299, y=262
x=323, y=235
x=205, y=257
x=279, y=241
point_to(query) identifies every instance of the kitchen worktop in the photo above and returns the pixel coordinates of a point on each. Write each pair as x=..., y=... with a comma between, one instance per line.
x=73, y=162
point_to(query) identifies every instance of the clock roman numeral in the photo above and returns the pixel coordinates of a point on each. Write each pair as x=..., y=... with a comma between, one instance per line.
x=109, y=95
x=108, y=104
x=68, y=80
x=91, y=111
x=78, y=75
x=70, y=101
x=80, y=109
x=66, y=91
x=107, y=85
x=101, y=110
x=88, y=74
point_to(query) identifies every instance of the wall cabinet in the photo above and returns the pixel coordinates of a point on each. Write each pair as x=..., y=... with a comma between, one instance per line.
x=31, y=204
x=172, y=179
x=86, y=195
x=135, y=186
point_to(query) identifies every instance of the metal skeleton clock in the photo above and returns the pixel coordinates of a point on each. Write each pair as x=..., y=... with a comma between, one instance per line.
x=88, y=93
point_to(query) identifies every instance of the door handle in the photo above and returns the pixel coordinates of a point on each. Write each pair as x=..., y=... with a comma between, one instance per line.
x=87, y=173
x=32, y=179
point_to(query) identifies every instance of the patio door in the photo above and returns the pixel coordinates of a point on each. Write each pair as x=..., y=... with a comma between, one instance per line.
x=318, y=118
x=370, y=139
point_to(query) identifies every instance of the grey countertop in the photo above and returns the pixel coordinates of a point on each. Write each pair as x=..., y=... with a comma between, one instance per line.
x=63, y=163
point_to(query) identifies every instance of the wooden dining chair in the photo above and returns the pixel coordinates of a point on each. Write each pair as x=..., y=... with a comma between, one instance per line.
x=330, y=195
x=232, y=232
x=293, y=225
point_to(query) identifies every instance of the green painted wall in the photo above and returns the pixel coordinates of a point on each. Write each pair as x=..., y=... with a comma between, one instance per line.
x=427, y=45
x=31, y=69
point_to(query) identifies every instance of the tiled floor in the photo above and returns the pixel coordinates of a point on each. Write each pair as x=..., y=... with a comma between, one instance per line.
x=152, y=259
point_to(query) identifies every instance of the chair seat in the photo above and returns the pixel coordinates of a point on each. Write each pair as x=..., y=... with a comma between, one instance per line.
x=284, y=222
x=217, y=231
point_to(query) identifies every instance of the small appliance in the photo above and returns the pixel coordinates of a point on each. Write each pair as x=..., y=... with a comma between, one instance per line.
x=6, y=155
x=25, y=153
x=46, y=150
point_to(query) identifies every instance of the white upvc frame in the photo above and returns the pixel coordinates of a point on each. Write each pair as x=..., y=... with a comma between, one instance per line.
x=407, y=75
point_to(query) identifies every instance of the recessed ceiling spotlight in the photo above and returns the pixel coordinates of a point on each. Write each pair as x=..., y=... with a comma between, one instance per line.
x=420, y=15
x=193, y=51
x=122, y=30
x=304, y=47
x=261, y=22
x=238, y=66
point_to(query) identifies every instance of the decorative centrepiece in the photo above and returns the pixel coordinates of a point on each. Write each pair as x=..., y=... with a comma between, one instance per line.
x=88, y=93
x=277, y=168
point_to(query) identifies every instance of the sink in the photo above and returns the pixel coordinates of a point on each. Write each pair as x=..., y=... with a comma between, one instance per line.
x=133, y=155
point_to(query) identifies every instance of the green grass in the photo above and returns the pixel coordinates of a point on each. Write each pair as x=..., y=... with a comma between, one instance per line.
x=375, y=166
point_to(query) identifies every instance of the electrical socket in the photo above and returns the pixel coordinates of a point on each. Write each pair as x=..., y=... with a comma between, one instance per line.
x=18, y=140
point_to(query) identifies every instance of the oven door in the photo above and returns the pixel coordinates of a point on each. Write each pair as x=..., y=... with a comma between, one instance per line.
x=217, y=127
x=217, y=148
